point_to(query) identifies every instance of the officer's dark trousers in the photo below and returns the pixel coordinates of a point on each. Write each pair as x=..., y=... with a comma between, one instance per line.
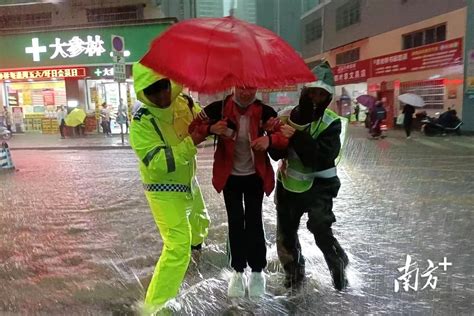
x=317, y=202
x=243, y=196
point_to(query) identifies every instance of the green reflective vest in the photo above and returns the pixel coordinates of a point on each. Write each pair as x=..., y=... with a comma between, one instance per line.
x=296, y=177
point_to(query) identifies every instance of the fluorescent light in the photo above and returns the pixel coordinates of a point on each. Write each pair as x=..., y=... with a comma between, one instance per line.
x=126, y=53
x=72, y=103
x=434, y=77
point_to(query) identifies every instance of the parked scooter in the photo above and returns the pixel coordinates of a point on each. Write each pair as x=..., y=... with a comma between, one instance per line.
x=5, y=134
x=447, y=123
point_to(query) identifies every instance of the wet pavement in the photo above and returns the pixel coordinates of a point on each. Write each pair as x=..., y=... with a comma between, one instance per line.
x=54, y=142
x=77, y=236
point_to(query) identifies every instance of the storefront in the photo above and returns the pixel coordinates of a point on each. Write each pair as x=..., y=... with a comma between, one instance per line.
x=434, y=72
x=351, y=82
x=40, y=71
x=280, y=98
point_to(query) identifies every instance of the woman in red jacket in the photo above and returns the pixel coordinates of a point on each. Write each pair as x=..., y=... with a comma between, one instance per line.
x=242, y=170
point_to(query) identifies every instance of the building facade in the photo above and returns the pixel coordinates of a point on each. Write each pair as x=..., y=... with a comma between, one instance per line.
x=246, y=10
x=209, y=8
x=387, y=48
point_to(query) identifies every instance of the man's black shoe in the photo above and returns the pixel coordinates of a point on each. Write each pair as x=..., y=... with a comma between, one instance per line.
x=338, y=273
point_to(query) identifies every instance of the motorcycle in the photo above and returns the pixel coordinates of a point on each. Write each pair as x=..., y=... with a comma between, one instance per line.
x=5, y=134
x=447, y=123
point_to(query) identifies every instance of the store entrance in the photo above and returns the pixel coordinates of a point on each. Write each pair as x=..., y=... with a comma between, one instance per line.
x=107, y=91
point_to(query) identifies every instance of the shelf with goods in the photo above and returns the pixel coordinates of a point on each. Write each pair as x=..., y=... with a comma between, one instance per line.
x=91, y=124
x=50, y=126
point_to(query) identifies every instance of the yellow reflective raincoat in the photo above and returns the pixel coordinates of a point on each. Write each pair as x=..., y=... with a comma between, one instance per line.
x=167, y=157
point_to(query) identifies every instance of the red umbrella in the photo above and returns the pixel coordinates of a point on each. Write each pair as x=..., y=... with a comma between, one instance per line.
x=212, y=54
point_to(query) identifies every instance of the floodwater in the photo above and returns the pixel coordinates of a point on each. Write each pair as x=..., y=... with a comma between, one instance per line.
x=77, y=237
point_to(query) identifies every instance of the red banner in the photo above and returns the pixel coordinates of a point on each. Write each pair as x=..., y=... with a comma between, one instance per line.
x=351, y=73
x=438, y=55
x=443, y=54
x=390, y=64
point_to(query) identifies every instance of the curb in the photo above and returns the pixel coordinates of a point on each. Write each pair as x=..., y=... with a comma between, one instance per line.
x=73, y=148
x=99, y=147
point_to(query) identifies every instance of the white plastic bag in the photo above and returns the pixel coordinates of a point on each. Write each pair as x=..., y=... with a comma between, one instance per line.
x=400, y=119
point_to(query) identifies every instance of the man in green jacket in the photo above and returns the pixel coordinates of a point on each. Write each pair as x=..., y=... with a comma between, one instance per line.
x=167, y=153
x=307, y=179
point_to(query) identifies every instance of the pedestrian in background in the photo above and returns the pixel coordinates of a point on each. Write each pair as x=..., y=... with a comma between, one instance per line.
x=408, y=112
x=356, y=112
x=61, y=116
x=8, y=119
x=105, y=119
x=378, y=114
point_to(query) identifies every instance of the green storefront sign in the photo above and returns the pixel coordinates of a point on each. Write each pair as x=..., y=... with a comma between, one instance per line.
x=89, y=46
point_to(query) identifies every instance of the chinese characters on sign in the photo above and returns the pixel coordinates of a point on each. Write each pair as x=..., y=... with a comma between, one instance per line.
x=390, y=64
x=438, y=55
x=442, y=55
x=351, y=73
x=104, y=72
x=411, y=273
x=91, y=46
x=46, y=73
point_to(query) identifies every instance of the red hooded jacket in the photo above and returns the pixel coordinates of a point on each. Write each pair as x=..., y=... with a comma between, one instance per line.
x=259, y=114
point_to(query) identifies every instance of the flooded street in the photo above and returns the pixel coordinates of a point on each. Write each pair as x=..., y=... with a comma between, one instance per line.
x=77, y=236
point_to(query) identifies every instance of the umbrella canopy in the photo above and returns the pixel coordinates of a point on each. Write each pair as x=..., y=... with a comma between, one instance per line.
x=75, y=118
x=412, y=99
x=367, y=101
x=209, y=55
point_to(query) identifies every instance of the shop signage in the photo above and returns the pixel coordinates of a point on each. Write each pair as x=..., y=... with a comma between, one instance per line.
x=92, y=46
x=43, y=73
x=470, y=72
x=444, y=54
x=103, y=72
x=73, y=47
x=352, y=73
x=439, y=55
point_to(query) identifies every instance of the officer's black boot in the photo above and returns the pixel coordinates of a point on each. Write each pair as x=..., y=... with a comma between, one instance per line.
x=337, y=261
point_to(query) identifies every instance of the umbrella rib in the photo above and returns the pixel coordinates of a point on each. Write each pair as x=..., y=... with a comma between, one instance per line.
x=207, y=58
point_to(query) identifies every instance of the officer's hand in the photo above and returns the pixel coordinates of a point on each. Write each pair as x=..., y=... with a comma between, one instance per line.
x=260, y=144
x=197, y=137
x=219, y=128
x=287, y=130
x=271, y=124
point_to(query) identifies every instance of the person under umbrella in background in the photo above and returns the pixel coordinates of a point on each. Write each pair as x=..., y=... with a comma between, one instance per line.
x=356, y=112
x=242, y=170
x=308, y=181
x=377, y=115
x=167, y=153
x=408, y=112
